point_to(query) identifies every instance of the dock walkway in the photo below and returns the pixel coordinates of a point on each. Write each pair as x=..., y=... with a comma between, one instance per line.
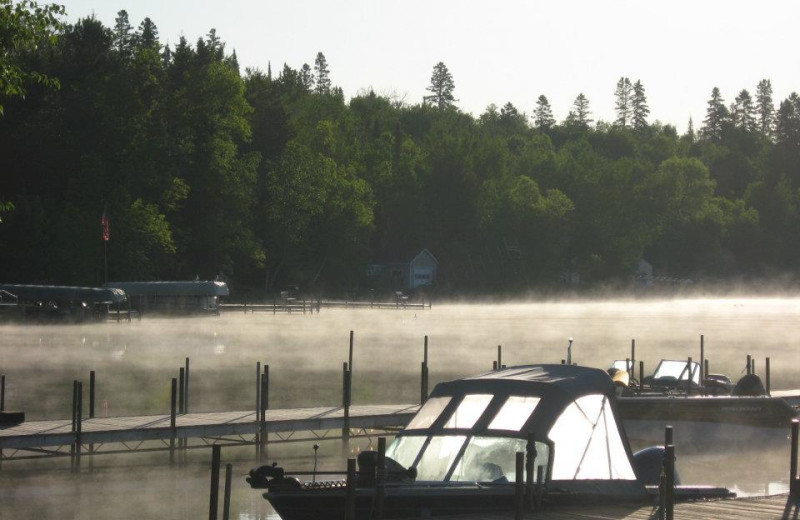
x=54, y=437
x=752, y=508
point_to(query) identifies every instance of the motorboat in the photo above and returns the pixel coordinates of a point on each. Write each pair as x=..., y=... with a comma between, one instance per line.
x=458, y=454
x=706, y=409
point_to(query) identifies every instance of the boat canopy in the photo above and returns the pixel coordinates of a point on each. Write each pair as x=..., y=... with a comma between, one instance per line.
x=187, y=288
x=60, y=293
x=566, y=413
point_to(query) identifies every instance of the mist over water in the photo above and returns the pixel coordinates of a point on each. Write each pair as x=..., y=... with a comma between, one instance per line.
x=134, y=363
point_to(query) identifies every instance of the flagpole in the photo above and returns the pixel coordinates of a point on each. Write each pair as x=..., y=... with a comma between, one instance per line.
x=105, y=261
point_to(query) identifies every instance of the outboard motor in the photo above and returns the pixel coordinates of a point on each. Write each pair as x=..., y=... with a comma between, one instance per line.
x=271, y=477
x=749, y=385
x=395, y=472
x=648, y=463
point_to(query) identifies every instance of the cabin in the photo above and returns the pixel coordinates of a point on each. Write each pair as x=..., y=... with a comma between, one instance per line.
x=174, y=296
x=419, y=271
x=60, y=302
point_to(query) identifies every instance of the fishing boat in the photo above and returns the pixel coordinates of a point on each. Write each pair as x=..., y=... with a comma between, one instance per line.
x=458, y=454
x=706, y=410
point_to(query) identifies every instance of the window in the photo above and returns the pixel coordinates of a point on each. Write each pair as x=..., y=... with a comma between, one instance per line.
x=404, y=449
x=469, y=411
x=494, y=459
x=514, y=413
x=587, y=443
x=429, y=412
x=439, y=456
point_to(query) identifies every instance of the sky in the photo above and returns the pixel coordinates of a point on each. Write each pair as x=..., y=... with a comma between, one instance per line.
x=505, y=50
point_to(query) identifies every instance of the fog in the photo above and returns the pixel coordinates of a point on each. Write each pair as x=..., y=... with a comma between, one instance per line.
x=135, y=361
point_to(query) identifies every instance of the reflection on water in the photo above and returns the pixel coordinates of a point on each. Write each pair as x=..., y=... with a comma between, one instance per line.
x=135, y=362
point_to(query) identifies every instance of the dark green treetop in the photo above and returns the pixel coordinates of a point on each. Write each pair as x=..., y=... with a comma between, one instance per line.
x=441, y=87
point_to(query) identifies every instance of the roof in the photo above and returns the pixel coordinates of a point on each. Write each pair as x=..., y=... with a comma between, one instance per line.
x=65, y=293
x=188, y=288
x=556, y=385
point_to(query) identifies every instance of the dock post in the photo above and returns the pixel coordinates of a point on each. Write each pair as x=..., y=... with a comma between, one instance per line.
x=380, y=479
x=74, y=425
x=172, y=413
x=424, y=376
x=766, y=368
x=703, y=375
x=181, y=389
x=641, y=375
x=263, y=438
x=213, y=505
x=91, y=394
x=3, y=392
x=350, y=492
x=499, y=357
x=346, y=404
x=748, y=364
x=530, y=456
x=494, y=365
x=78, y=426
x=258, y=409
x=350, y=358
x=538, y=492
x=689, y=377
x=226, y=504
x=186, y=392
x=705, y=367
x=519, y=488
x=668, y=436
x=793, y=480
x=669, y=477
x=632, y=368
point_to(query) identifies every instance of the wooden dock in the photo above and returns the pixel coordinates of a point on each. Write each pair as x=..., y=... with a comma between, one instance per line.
x=752, y=508
x=311, y=306
x=100, y=435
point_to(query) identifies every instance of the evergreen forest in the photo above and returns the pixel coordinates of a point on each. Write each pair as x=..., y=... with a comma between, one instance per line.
x=275, y=178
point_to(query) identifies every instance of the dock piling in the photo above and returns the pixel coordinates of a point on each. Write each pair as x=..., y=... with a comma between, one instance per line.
x=641, y=375
x=181, y=389
x=91, y=394
x=703, y=375
x=350, y=493
x=74, y=426
x=346, y=399
x=380, y=479
x=186, y=392
x=213, y=505
x=262, y=437
x=519, y=488
x=669, y=477
x=749, y=365
x=632, y=367
x=78, y=426
x=258, y=406
x=794, y=483
x=424, y=375
x=172, y=425
x=226, y=504
x=766, y=375
x=3, y=392
x=499, y=357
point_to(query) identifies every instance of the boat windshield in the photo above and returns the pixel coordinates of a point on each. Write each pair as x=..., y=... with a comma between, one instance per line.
x=671, y=369
x=494, y=459
x=485, y=459
x=429, y=412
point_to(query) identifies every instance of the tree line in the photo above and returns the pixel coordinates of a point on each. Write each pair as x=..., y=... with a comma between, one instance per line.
x=272, y=178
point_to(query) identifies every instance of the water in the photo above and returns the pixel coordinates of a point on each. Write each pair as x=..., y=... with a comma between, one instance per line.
x=135, y=362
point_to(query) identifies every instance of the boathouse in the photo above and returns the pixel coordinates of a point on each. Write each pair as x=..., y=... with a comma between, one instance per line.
x=59, y=301
x=174, y=296
x=419, y=271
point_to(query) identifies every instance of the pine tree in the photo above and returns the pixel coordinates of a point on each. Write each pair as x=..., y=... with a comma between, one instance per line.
x=543, y=114
x=148, y=35
x=323, y=80
x=509, y=111
x=123, y=37
x=441, y=87
x=744, y=113
x=716, y=116
x=690, y=130
x=764, y=107
x=787, y=121
x=579, y=115
x=639, y=107
x=306, y=77
x=622, y=105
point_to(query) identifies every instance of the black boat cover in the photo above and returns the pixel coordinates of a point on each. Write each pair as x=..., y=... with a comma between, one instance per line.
x=60, y=293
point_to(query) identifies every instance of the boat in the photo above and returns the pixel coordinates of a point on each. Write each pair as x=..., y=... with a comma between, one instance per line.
x=458, y=454
x=706, y=410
